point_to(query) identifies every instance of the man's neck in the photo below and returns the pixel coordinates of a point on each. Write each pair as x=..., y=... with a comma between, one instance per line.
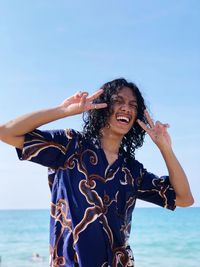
x=110, y=142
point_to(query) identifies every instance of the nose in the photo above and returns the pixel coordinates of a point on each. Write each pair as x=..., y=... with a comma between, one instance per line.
x=125, y=107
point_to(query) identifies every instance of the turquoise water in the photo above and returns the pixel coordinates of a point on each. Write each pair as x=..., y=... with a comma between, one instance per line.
x=159, y=237
x=162, y=238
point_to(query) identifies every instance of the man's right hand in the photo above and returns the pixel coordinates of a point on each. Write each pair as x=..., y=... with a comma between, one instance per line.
x=13, y=132
x=81, y=102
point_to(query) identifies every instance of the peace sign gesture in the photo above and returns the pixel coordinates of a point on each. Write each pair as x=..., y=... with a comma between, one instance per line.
x=157, y=131
x=81, y=102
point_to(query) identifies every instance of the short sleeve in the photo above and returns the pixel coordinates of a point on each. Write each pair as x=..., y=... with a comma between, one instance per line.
x=154, y=189
x=49, y=148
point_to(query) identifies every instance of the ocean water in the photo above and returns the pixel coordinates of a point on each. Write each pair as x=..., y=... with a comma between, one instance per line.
x=159, y=237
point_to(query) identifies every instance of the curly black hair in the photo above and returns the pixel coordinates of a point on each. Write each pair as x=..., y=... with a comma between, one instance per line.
x=95, y=120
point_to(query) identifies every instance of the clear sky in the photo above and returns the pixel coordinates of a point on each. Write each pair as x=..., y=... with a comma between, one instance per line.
x=51, y=49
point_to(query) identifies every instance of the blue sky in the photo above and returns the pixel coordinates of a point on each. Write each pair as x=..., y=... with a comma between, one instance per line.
x=51, y=49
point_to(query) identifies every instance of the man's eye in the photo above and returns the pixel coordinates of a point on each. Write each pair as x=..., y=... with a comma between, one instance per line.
x=117, y=101
x=134, y=106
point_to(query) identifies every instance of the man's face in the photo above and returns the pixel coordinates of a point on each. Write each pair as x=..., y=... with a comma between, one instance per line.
x=124, y=111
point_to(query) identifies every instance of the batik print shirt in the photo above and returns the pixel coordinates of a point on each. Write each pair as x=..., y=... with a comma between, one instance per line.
x=91, y=201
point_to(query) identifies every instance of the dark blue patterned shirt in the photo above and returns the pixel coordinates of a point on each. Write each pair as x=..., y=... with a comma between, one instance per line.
x=92, y=201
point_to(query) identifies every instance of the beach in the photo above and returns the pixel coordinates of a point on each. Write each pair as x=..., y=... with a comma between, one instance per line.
x=159, y=237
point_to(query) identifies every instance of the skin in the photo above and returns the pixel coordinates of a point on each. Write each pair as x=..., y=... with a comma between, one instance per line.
x=125, y=105
x=13, y=132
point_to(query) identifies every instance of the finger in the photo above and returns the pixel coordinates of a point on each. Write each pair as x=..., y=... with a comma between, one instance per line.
x=166, y=125
x=158, y=123
x=97, y=106
x=143, y=125
x=79, y=94
x=101, y=105
x=149, y=119
x=162, y=125
x=83, y=99
x=95, y=95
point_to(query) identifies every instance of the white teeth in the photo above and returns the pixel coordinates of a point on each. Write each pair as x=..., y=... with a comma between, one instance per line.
x=123, y=119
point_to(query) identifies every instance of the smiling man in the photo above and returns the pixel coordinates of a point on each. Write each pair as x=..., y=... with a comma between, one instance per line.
x=94, y=177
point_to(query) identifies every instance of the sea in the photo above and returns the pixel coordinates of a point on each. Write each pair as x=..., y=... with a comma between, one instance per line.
x=159, y=237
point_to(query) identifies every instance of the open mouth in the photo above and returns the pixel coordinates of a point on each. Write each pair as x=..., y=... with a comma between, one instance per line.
x=123, y=119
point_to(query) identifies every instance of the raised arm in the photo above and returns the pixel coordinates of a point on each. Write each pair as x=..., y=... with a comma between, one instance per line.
x=158, y=133
x=13, y=132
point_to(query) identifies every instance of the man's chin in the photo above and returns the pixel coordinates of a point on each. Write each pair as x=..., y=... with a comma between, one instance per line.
x=122, y=132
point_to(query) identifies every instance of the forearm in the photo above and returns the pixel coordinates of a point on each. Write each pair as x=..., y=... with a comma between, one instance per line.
x=30, y=121
x=178, y=178
x=13, y=132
